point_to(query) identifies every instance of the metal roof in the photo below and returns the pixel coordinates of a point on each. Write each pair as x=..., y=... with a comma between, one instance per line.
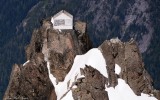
x=62, y=11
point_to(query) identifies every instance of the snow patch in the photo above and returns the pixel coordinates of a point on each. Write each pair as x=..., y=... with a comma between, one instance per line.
x=117, y=69
x=74, y=87
x=68, y=96
x=26, y=62
x=123, y=92
x=52, y=78
x=59, y=30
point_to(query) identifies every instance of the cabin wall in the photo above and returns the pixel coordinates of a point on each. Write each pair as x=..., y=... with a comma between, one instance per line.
x=62, y=22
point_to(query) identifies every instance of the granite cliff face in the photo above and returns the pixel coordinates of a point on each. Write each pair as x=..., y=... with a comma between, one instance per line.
x=57, y=49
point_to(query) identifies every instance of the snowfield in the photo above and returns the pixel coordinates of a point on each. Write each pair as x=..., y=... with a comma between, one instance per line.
x=94, y=58
x=123, y=92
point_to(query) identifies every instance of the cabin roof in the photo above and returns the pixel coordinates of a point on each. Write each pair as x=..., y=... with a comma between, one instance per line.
x=62, y=11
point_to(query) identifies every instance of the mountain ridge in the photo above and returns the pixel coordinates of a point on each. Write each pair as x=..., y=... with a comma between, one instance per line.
x=83, y=10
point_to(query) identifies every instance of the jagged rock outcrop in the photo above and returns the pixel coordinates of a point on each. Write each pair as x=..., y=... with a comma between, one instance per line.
x=128, y=56
x=30, y=81
x=59, y=47
x=91, y=87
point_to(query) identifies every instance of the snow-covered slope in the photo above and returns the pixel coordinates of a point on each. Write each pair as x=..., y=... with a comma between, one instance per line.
x=94, y=58
x=123, y=92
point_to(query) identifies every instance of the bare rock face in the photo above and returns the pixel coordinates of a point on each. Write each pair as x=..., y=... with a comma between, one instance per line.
x=91, y=87
x=30, y=81
x=127, y=55
x=80, y=26
x=59, y=48
x=62, y=48
x=14, y=79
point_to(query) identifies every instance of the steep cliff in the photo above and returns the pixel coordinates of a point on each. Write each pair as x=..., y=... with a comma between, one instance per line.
x=31, y=80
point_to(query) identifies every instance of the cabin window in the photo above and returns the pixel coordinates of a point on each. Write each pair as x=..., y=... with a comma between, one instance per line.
x=59, y=22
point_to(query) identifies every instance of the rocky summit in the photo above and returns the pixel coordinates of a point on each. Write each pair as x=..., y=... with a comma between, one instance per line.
x=62, y=66
x=31, y=80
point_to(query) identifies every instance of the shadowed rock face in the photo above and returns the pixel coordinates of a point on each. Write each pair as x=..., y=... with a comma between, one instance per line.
x=59, y=47
x=30, y=81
